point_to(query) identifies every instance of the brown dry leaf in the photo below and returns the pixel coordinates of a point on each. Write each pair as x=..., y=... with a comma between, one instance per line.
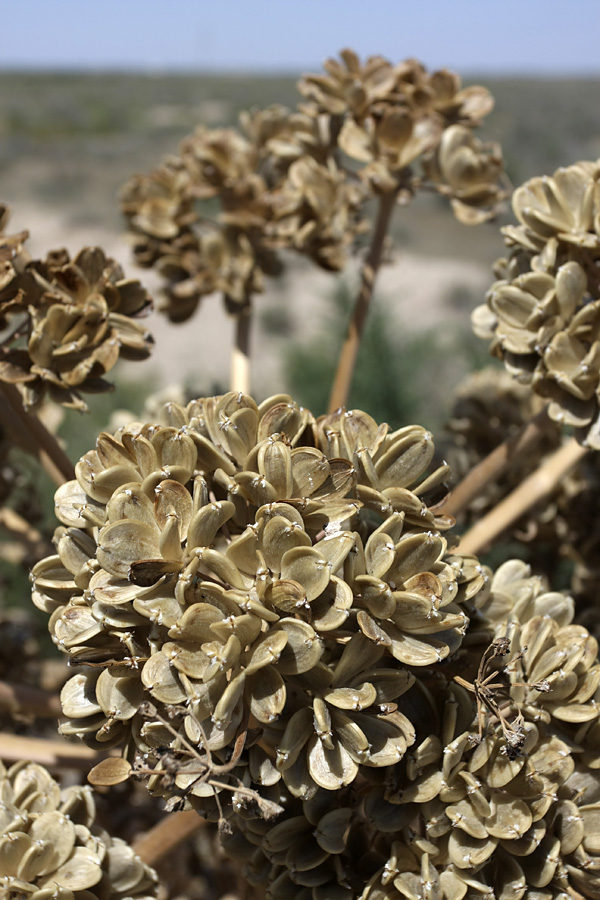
x=108, y=772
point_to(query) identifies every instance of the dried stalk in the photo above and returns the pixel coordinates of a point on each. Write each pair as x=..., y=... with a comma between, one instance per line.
x=12, y=521
x=535, y=488
x=166, y=834
x=30, y=541
x=28, y=432
x=490, y=468
x=351, y=345
x=53, y=754
x=20, y=699
x=240, y=355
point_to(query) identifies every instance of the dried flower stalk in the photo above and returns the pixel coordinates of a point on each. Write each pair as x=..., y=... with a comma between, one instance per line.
x=299, y=180
x=154, y=844
x=54, y=754
x=28, y=540
x=20, y=699
x=28, y=430
x=240, y=355
x=370, y=268
x=541, y=483
x=494, y=465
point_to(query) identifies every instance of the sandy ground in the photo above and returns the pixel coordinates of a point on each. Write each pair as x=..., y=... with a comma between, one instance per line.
x=414, y=289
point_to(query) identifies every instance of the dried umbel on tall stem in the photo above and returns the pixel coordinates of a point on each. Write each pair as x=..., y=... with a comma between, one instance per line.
x=407, y=130
x=275, y=191
x=268, y=199
x=389, y=117
x=289, y=180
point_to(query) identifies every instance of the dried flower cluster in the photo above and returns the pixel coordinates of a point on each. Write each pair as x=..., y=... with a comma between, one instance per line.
x=262, y=604
x=299, y=179
x=250, y=563
x=65, y=322
x=269, y=200
x=388, y=116
x=510, y=814
x=543, y=314
x=270, y=619
x=268, y=583
x=51, y=846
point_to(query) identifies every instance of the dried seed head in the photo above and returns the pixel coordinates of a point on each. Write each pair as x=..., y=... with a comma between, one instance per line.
x=228, y=564
x=78, y=318
x=51, y=843
x=542, y=314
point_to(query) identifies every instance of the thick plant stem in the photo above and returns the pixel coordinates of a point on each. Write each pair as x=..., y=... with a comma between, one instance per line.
x=28, y=432
x=351, y=345
x=166, y=834
x=240, y=356
x=28, y=543
x=494, y=465
x=20, y=699
x=54, y=754
x=535, y=488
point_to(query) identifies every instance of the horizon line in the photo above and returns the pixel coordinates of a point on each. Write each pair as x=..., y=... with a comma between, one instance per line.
x=264, y=72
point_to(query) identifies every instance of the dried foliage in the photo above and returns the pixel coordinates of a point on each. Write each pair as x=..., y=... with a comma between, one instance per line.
x=252, y=568
x=66, y=322
x=51, y=845
x=543, y=313
x=262, y=605
x=270, y=617
x=299, y=179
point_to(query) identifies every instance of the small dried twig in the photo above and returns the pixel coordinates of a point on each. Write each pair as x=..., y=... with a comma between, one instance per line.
x=129, y=662
x=31, y=434
x=495, y=464
x=203, y=767
x=166, y=835
x=486, y=689
x=538, y=486
x=350, y=347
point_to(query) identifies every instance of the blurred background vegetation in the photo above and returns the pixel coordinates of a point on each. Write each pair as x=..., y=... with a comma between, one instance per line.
x=69, y=141
x=78, y=136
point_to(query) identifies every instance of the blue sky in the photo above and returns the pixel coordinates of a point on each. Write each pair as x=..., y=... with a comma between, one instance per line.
x=511, y=36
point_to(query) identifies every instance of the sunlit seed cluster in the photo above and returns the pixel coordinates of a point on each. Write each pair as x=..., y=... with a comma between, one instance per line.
x=269, y=621
x=542, y=315
x=257, y=569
